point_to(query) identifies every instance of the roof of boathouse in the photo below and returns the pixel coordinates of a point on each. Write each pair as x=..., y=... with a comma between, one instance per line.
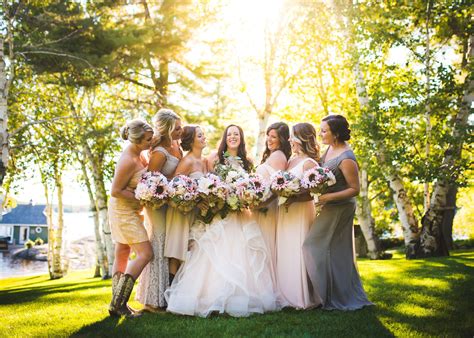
x=28, y=214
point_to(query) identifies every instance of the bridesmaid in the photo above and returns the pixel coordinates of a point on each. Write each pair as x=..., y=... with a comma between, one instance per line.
x=294, y=223
x=164, y=157
x=193, y=141
x=275, y=157
x=125, y=220
x=328, y=247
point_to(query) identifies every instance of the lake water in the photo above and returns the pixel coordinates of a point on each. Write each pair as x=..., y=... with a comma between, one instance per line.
x=76, y=226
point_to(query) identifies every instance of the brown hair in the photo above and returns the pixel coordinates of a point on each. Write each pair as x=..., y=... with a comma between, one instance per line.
x=283, y=133
x=241, y=151
x=339, y=127
x=306, y=133
x=187, y=138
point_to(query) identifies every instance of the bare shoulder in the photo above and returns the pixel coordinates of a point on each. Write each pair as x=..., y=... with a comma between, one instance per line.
x=212, y=158
x=126, y=164
x=348, y=164
x=277, y=160
x=309, y=165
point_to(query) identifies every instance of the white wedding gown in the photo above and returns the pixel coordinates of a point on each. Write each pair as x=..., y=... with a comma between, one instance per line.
x=227, y=270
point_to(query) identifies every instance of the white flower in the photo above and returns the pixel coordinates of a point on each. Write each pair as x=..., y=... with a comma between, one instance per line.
x=204, y=185
x=231, y=176
x=332, y=178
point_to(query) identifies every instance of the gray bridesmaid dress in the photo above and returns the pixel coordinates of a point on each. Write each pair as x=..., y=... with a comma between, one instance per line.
x=328, y=248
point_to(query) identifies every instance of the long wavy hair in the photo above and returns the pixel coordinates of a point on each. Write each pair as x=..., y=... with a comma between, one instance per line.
x=164, y=123
x=283, y=133
x=241, y=150
x=306, y=133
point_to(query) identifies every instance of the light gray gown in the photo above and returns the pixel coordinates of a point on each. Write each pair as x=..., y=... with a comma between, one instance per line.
x=328, y=248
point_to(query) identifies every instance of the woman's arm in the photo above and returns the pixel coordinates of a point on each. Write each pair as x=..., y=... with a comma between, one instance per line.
x=351, y=174
x=123, y=174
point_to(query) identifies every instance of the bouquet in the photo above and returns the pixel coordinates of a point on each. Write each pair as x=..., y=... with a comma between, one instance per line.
x=284, y=184
x=152, y=189
x=183, y=193
x=212, y=195
x=317, y=180
x=251, y=190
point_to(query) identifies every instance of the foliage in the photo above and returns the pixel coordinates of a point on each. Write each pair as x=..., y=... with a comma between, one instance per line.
x=463, y=226
x=29, y=244
x=39, y=241
x=413, y=298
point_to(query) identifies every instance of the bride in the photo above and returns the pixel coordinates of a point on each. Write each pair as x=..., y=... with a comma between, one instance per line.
x=228, y=268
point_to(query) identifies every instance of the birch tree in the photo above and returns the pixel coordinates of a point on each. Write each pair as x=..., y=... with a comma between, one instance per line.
x=431, y=238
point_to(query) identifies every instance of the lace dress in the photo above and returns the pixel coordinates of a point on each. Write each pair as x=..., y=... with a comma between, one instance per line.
x=154, y=279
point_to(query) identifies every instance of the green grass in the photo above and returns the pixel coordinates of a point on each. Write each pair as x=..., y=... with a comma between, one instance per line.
x=432, y=297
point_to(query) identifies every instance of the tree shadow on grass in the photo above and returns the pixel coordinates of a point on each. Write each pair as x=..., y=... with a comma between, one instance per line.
x=438, y=303
x=27, y=295
x=288, y=322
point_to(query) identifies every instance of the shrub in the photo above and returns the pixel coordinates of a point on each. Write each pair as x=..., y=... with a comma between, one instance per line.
x=29, y=244
x=39, y=241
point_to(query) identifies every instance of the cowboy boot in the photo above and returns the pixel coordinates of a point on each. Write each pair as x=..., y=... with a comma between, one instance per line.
x=115, y=280
x=118, y=306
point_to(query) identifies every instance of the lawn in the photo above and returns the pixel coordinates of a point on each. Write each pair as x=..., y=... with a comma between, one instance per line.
x=432, y=297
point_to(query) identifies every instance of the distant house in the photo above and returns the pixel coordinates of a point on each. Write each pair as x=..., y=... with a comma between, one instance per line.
x=26, y=221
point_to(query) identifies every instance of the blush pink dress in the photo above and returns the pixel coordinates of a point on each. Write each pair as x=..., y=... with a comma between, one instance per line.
x=267, y=220
x=292, y=227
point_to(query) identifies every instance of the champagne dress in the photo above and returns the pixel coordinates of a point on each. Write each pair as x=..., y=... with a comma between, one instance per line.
x=329, y=251
x=126, y=221
x=154, y=279
x=177, y=229
x=292, y=228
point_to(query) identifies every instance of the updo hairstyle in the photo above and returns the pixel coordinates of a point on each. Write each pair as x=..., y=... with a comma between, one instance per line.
x=134, y=130
x=339, y=127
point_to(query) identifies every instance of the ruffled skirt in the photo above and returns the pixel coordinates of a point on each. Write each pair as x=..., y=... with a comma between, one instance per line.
x=227, y=270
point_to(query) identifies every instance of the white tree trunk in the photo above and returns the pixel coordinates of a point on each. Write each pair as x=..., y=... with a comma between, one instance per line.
x=431, y=241
x=405, y=213
x=101, y=202
x=364, y=216
x=56, y=266
x=4, y=153
x=262, y=128
x=102, y=267
x=426, y=185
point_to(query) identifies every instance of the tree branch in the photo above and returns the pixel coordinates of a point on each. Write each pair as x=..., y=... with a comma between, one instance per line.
x=57, y=54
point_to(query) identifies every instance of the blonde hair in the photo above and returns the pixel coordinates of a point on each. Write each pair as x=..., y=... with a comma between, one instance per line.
x=134, y=130
x=164, y=123
x=306, y=133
